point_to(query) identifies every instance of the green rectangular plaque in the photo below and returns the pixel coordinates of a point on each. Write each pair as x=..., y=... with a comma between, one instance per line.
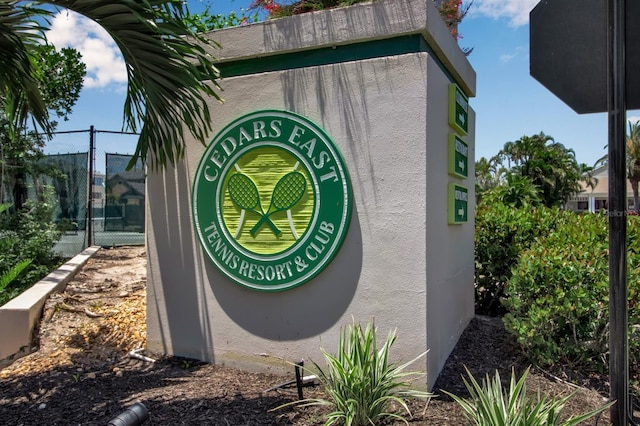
x=458, y=109
x=458, y=157
x=458, y=204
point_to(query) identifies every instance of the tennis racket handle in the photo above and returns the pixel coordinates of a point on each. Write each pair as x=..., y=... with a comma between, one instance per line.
x=263, y=219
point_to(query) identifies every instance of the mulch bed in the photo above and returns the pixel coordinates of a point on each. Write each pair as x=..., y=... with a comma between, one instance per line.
x=82, y=373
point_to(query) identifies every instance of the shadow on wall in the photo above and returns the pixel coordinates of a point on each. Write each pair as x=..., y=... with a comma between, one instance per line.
x=333, y=101
x=186, y=273
x=185, y=327
x=304, y=311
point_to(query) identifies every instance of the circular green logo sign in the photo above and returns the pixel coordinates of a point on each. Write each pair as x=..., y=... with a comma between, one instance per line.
x=271, y=200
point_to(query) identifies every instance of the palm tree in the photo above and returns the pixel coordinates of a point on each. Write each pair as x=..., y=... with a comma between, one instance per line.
x=633, y=161
x=587, y=177
x=548, y=164
x=169, y=69
x=518, y=191
x=489, y=174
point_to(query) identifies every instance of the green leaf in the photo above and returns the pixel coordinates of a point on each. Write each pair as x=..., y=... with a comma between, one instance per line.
x=7, y=277
x=20, y=33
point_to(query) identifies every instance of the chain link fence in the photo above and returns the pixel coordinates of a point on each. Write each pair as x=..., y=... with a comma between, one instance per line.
x=98, y=201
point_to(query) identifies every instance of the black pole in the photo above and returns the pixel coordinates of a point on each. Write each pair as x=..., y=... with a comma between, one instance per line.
x=618, y=317
x=92, y=146
x=298, y=367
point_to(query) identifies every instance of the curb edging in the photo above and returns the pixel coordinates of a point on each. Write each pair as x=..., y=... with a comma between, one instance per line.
x=19, y=316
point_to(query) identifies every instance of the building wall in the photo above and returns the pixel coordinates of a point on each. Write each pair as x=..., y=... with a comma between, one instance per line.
x=450, y=248
x=596, y=199
x=400, y=265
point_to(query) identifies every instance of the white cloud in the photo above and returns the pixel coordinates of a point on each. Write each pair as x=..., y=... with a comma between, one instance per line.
x=516, y=11
x=506, y=57
x=105, y=66
x=516, y=54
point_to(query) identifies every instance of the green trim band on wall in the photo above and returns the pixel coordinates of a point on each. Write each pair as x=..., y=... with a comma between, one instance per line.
x=413, y=43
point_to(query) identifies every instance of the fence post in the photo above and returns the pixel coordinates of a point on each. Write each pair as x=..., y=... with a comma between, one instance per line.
x=92, y=147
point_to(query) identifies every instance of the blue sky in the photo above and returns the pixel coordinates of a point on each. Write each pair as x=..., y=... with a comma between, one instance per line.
x=509, y=102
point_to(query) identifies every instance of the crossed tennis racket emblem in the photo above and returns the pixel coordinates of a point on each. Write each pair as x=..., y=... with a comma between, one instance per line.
x=287, y=192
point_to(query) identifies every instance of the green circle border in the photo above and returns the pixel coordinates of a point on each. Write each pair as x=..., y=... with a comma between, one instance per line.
x=346, y=213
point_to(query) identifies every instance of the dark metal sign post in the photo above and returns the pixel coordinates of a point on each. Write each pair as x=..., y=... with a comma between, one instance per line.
x=583, y=52
x=618, y=294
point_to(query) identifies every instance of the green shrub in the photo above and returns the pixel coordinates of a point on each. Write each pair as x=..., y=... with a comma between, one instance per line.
x=491, y=406
x=502, y=233
x=559, y=294
x=363, y=386
x=28, y=235
x=206, y=21
x=9, y=273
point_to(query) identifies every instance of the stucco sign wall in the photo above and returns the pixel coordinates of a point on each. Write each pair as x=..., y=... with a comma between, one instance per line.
x=377, y=88
x=271, y=200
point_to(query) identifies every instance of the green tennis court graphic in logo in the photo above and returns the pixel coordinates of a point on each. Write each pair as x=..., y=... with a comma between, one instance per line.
x=271, y=200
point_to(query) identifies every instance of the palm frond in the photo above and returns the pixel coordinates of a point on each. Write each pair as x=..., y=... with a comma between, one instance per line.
x=170, y=74
x=20, y=29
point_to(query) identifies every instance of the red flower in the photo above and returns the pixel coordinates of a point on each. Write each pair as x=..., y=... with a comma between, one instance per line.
x=269, y=5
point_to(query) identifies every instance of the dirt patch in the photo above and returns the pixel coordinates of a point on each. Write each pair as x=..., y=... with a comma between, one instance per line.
x=84, y=373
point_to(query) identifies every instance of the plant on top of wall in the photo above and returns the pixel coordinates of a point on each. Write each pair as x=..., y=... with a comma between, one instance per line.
x=452, y=11
x=363, y=386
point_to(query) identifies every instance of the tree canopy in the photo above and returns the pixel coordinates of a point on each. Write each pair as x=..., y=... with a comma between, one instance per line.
x=58, y=76
x=534, y=170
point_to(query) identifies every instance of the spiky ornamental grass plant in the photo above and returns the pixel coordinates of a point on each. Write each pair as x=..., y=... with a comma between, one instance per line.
x=490, y=406
x=363, y=385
